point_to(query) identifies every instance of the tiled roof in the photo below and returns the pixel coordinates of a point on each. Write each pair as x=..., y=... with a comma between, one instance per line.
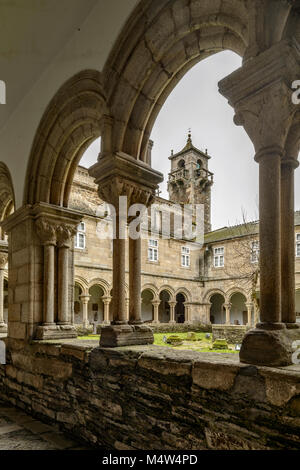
x=236, y=231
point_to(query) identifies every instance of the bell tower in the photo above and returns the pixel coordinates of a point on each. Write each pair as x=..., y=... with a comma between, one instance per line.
x=190, y=180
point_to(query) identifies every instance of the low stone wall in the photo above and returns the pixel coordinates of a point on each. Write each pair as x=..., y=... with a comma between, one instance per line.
x=234, y=334
x=154, y=397
x=175, y=327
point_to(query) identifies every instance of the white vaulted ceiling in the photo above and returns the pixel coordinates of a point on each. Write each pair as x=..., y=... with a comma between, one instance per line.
x=42, y=44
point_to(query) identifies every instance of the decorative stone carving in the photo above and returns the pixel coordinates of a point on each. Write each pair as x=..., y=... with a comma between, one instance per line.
x=64, y=234
x=3, y=260
x=46, y=231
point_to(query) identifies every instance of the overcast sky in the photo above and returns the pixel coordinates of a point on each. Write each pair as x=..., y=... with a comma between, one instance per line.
x=196, y=103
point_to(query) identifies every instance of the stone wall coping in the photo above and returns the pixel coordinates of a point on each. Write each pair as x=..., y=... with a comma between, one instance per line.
x=156, y=353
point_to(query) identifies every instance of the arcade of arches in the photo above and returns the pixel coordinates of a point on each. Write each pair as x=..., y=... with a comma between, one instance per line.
x=159, y=44
x=145, y=397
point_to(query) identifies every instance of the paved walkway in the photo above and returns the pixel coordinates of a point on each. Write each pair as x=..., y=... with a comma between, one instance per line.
x=19, y=431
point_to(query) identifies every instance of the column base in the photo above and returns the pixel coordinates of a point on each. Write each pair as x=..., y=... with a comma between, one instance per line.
x=272, y=347
x=3, y=328
x=114, y=336
x=56, y=332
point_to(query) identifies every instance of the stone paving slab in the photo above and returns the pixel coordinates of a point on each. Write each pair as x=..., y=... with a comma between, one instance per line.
x=19, y=431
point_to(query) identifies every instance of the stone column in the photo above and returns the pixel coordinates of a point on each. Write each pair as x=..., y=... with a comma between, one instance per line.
x=187, y=313
x=288, y=308
x=269, y=237
x=228, y=311
x=119, y=175
x=3, y=261
x=172, y=312
x=261, y=95
x=127, y=308
x=47, y=234
x=249, y=310
x=85, y=302
x=119, y=251
x=135, y=282
x=106, y=302
x=64, y=234
x=156, y=304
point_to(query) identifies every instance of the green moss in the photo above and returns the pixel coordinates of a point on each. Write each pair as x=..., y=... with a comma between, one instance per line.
x=220, y=344
x=191, y=336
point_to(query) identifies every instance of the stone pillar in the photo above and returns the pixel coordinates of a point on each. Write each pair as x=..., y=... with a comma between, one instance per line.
x=187, y=313
x=156, y=304
x=135, y=281
x=47, y=233
x=288, y=308
x=261, y=95
x=85, y=302
x=228, y=311
x=106, y=302
x=119, y=251
x=3, y=262
x=119, y=175
x=64, y=234
x=172, y=312
x=249, y=310
x=269, y=237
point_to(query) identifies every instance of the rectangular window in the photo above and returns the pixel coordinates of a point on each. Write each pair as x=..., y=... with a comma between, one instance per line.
x=153, y=250
x=80, y=237
x=298, y=245
x=219, y=257
x=255, y=251
x=185, y=257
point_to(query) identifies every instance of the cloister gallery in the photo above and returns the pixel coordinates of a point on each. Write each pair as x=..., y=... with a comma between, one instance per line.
x=127, y=61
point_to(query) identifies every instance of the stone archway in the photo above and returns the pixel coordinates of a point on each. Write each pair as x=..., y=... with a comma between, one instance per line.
x=69, y=125
x=96, y=306
x=164, y=314
x=238, y=309
x=147, y=306
x=180, y=316
x=217, y=311
x=161, y=45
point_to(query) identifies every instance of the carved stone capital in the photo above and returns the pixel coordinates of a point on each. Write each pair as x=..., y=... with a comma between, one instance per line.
x=3, y=260
x=46, y=231
x=121, y=175
x=64, y=234
x=260, y=93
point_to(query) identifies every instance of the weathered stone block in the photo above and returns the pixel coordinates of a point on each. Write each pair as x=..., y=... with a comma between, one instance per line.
x=125, y=335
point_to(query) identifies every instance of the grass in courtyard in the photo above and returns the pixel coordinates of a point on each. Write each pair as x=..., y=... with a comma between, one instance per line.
x=202, y=344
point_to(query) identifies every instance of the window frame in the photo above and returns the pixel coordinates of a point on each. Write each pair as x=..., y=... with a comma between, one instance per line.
x=255, y=251
x=219, y=256
x=297, y=245
x=185, y=255
x=153, y=250
x=80, y=234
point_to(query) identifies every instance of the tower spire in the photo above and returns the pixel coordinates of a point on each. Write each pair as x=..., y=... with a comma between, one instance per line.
x=189, y=139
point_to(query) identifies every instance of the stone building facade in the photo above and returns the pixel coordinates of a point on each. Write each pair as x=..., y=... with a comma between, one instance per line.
x=216, y=282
